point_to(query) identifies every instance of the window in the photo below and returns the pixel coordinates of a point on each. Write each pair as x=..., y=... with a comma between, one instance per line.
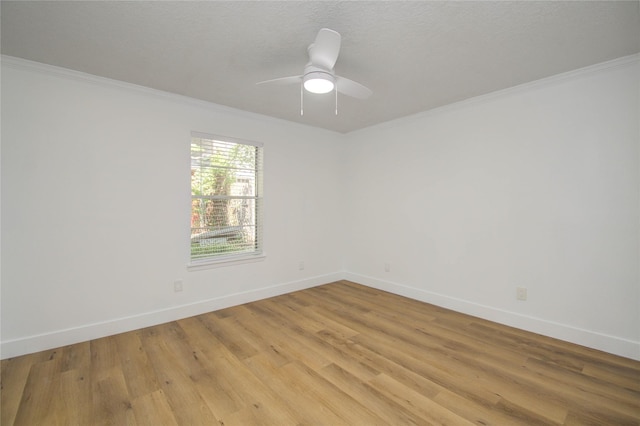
x=226, y=198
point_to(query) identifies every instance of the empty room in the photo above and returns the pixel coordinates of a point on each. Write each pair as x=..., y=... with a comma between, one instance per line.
x=320, y=212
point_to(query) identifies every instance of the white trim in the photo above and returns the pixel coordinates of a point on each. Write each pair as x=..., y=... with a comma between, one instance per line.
x=212, y=137
x=604, y=342
x=210, y=262
x=59, y=338
x=509, y=91
x=24, y=64
x=52, y=70
x=611, y=344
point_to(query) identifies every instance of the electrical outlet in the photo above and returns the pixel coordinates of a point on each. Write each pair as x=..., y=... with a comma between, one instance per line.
x=177, y=286
x=301, y=265
x=521, y=293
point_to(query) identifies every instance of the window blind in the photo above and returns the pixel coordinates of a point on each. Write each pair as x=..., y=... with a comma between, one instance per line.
x=226, y=197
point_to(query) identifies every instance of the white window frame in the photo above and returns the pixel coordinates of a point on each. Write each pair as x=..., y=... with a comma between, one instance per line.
x=232, y=258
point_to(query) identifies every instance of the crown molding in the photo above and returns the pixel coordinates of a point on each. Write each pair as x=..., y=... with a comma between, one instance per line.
x=66, y=73
x=621, y=62
x=24, y=64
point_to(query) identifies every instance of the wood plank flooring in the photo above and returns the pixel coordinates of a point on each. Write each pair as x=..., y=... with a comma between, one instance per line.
x=330, y=355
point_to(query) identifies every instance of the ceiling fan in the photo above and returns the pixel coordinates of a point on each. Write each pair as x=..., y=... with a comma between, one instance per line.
x=318, y=75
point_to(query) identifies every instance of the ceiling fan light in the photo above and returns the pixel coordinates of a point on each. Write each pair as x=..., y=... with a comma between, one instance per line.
x=318, y=82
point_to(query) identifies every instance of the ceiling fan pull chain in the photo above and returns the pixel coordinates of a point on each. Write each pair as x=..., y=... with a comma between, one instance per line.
x=336, y=87
x=301, y=101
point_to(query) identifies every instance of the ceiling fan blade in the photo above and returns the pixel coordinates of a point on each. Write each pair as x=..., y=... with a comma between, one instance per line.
x=283, y=81
x=325, y=49
x=352, y=88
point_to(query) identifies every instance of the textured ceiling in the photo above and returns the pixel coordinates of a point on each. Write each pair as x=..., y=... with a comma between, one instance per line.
x=415, y=56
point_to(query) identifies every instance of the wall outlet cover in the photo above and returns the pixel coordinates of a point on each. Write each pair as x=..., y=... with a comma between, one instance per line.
x=521, y=293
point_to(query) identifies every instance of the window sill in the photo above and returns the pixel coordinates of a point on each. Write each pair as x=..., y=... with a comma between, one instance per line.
x=199, y=265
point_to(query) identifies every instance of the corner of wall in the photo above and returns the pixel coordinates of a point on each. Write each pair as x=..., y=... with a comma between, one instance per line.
x=607, y=343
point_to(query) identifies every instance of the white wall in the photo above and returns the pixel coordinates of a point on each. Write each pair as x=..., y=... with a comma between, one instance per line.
x=536, y=186
x=96, y=208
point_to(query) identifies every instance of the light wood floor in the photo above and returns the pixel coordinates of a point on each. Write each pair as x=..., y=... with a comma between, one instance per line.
x=335, y=354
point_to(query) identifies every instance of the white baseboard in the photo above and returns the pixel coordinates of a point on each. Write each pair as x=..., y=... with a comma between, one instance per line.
x=55, y=339
x=607, y=343
x=59, y=338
